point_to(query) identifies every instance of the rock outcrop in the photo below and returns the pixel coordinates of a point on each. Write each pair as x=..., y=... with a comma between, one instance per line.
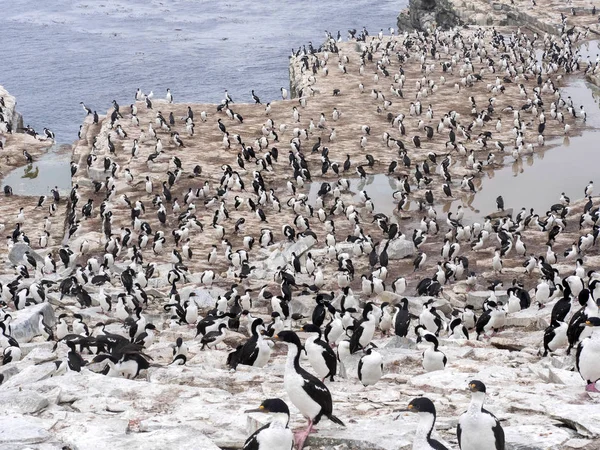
x=594, y=78
x=10, y=119
x=427, y=15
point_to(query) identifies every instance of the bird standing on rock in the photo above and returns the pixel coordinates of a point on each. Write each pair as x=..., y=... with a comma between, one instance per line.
x=588, y=356
x=370, y=367
x=478, y=429
x=275, y=435
x=305, y=391
x=320, y=355
x=427, y=415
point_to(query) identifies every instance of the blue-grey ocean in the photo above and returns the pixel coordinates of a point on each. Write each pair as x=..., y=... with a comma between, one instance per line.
x=61, y=52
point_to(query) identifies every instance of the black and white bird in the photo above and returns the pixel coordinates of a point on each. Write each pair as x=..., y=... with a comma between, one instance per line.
x=254, y=352
x=276, y=435
x=555, y=336
x=213, y=338
x=402, y=320
x=49, y=134
x=370, y=367
x=320, y=355
x=491, y=319
x=433, y=359
x=479, y=429
x=587, y=359
x=426, y=410
x=255, y=98
x=305, y=391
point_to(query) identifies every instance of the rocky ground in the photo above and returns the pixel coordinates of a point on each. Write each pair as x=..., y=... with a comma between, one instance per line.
x=543, y=16
x=540, y=401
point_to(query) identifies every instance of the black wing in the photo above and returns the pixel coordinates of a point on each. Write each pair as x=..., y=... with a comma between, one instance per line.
x=233, y=359
x=574, y=330
x=437, y=445
x=577, y=355
x=355, y=340
x=75, y=361
x=252, y=442
x=548, y=336
x=402, y=323
x=458, y=434
x=210, y=337
x=560, y=310
x=360, y=364
x=249, y=352
x=482, y=322
x=498, y=431
x=318, y=392
x=328, y=356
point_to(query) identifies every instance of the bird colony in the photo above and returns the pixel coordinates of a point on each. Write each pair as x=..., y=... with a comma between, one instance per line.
x=221, y=276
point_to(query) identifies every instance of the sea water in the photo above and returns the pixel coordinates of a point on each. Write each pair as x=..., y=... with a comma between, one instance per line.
x=62, y=52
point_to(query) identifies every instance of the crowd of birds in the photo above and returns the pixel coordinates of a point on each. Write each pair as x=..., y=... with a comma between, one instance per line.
x=116, y=276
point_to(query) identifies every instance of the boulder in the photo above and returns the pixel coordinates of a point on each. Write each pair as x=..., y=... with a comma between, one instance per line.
x=299, y=247
x=566, y=377
x=26, y=321
x=400, y=342
x=360, y=436
x=303, y=304
x=532, y=318
x=500, y=214
x=400, y=248
x=584, y=418
x=276, y=259
x=97, y=174
x=13, y=377
x=476, y=298
x=18, y=250
x=528, y=437
x=205, y=299
x=594, y=78
x=427, y=15
x=579, y=444
x=23, y=432
x=22, y=401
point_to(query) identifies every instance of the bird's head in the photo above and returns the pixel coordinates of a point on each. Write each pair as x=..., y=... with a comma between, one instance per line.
x=310, y=328
x=271, y=405
x=593, y=322
x=476, y=386
x=419, y=405
x=288, y=337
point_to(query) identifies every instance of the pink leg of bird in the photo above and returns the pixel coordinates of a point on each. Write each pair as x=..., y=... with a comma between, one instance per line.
x=591, y=388
x=300, y=438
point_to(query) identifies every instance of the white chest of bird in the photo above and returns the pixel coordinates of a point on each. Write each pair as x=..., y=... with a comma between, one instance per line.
x=476, y=430
x=336, y=329
x=588, y=357
x=315, y=357
x=370, y=368
x=293, y=383
x=368, y=330
x=433, y=360
x=277, y=437
x=264, y=352
x=497, y=318
x=387, y=319
x=514, y=303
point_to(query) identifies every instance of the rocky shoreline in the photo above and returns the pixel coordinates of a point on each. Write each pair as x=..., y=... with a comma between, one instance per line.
x=540, y=401
x=543, y=17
